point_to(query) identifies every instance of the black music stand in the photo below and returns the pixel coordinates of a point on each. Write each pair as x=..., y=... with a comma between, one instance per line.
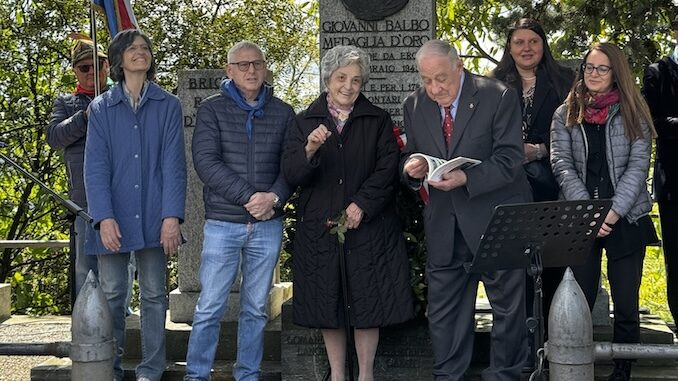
x=538, y=235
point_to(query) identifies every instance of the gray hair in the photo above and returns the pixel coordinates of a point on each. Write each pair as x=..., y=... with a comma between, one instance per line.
x=244, y=45
x=436, y=48
x=340, y=56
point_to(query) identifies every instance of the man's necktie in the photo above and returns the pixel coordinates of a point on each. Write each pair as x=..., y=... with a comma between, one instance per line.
x=448, y=126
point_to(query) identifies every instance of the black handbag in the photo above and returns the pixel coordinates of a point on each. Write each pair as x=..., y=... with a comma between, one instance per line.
x=542, y=181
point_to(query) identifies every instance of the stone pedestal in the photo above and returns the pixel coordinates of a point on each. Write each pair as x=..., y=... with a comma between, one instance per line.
x=601, y=309
x=404, y=352
x=5, y=301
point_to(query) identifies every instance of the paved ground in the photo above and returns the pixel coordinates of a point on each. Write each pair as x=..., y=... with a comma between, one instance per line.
x=22, y=329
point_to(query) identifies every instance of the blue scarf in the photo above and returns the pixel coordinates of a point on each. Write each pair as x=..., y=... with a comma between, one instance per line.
x=229, y=88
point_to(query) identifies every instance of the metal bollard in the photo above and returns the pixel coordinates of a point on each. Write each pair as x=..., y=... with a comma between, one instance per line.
x=569, y=349
x=92, y=346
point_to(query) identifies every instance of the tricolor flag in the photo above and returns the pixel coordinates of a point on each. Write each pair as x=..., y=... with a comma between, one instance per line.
x=119, y=15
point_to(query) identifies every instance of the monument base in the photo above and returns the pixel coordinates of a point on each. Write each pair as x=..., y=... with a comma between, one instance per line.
x=5, y=301
x=601, y=309
x=182, y=304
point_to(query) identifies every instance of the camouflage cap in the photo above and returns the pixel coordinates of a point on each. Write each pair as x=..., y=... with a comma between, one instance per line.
x=84, y=49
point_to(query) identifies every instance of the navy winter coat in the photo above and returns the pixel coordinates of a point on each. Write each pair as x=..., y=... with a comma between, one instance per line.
x=233, y=167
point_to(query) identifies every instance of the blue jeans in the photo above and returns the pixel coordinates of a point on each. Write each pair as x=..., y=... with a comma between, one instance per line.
x=114, y=278
x=226, y=245
x=83, y=262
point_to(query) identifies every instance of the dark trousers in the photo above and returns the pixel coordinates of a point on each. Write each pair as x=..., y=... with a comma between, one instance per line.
x=668, y=215
x=624, y=274
x=451, y=315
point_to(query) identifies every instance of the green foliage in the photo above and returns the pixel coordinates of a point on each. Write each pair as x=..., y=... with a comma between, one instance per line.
x=652, y=294
x=410, y=209
x=32, y=70
x=187, y=35
x=338, y=227
x=640, y=28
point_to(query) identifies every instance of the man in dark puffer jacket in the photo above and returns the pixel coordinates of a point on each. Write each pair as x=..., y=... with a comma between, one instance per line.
x=660, y=88
x=237, y=146
x=67, y=130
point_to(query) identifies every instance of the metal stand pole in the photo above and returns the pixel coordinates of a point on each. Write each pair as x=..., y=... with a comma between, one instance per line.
x=347, y=310
x=535, y=323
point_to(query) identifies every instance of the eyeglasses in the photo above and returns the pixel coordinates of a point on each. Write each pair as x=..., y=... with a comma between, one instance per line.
x=602, y=70
x=86, y=68
x=245, y=65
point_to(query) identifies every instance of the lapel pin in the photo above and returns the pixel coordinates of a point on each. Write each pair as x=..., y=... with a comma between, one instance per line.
x=470, y=106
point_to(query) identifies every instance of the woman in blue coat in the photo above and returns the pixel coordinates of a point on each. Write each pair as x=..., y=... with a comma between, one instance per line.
x=135, y=179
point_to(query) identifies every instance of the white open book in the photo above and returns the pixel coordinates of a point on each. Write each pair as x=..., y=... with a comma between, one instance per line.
x=437, y=167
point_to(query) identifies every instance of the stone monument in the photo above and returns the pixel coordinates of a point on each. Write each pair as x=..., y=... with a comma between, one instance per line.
x=391, y=41
x=193, y=87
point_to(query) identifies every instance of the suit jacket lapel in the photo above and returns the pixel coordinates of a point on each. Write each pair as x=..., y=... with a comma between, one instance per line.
x=467, y=106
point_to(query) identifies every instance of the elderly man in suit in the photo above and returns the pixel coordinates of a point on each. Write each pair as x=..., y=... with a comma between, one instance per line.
x=456, y=113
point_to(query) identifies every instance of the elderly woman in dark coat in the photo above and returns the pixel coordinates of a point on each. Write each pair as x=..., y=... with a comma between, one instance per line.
x=344, y=157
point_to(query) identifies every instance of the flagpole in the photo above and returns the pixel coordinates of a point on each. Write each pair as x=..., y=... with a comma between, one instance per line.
x=95, y=50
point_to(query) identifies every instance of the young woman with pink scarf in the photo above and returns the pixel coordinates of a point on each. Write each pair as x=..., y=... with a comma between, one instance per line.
x=601, y=140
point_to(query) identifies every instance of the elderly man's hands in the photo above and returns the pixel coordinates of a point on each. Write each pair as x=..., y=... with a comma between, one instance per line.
x=451, y=180
x=416, y=168
x=260, y=205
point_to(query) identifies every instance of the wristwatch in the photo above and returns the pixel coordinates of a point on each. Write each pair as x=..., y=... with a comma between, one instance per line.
x=540, y=153
x=276, y=202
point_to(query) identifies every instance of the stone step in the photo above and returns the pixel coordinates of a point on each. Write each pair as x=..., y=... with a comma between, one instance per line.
x=60, y=370
x=177, y=335
x=404, y=351
x=601, y=373
x=298, y=354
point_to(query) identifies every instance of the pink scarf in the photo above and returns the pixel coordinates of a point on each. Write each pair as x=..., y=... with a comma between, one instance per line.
x=598, y=105
x=340, y=115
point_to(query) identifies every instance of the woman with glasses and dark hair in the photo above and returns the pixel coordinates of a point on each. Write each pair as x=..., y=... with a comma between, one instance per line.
x=344, y=157
x=135, y=180
x=601, y=139
x=528, y=66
